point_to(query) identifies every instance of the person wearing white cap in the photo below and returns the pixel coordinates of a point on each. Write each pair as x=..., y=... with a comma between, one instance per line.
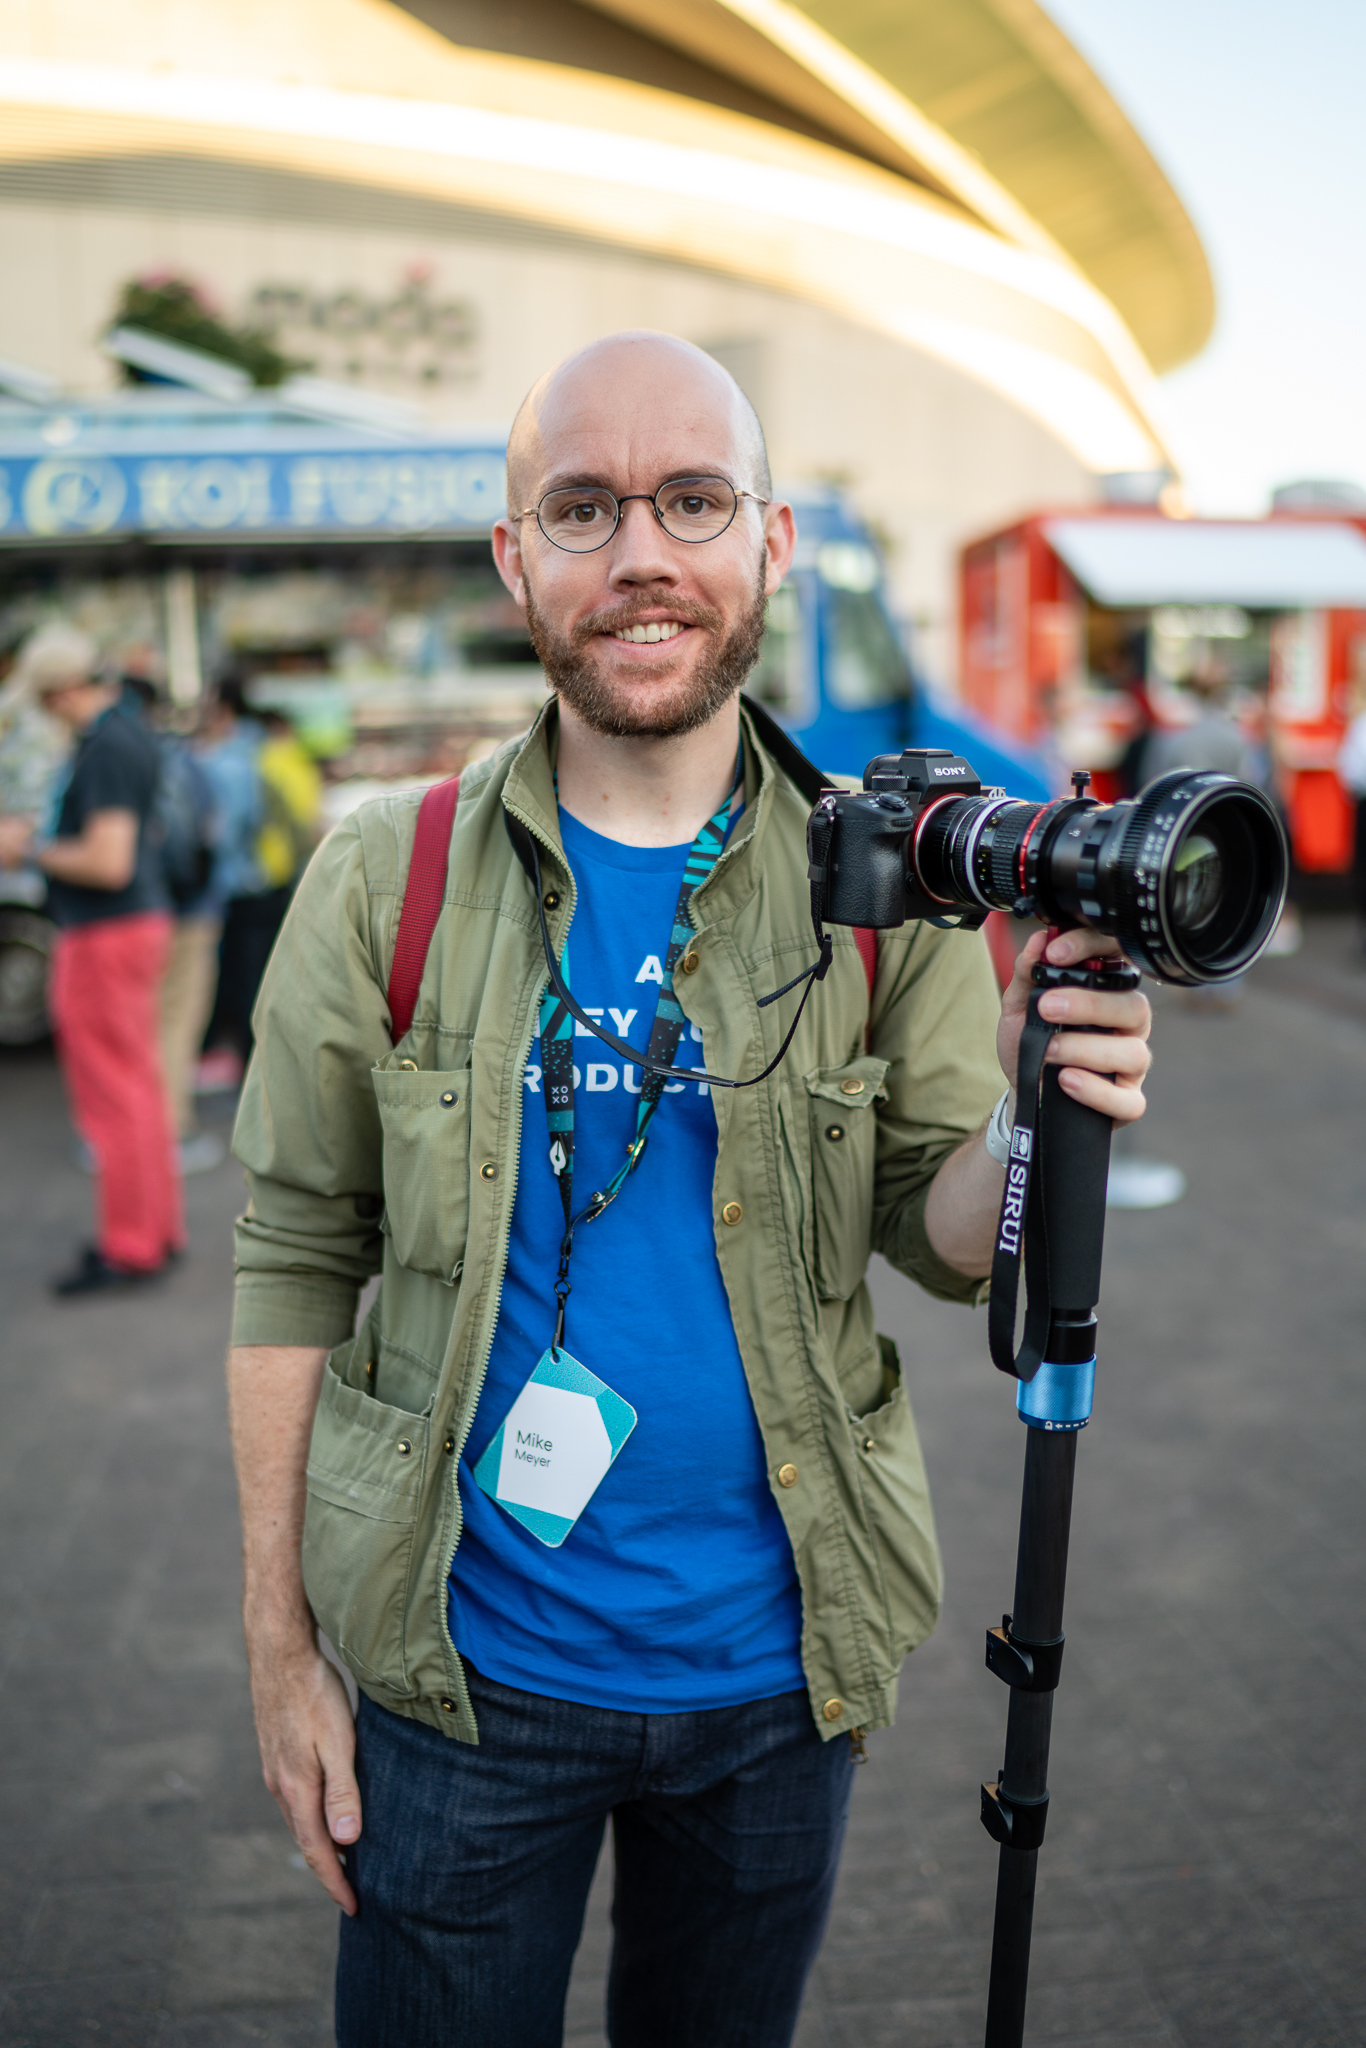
x=107, y=895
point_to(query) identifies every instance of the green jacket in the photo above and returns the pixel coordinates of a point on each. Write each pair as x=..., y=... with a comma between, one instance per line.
x=359, y=1163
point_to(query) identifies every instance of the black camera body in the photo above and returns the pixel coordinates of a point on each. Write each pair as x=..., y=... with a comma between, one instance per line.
x=1190, y=874
x=871, y=876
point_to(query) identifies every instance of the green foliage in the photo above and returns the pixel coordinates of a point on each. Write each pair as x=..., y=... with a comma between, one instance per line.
x=178, y=311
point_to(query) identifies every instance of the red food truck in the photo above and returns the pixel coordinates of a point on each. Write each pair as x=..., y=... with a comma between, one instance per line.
x=1080, y=632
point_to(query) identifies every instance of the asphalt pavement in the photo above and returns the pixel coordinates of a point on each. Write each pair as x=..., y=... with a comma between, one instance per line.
x=1203, y=1879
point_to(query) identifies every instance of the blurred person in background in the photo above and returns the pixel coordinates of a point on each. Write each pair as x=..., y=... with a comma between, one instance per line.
x=1351, y=766
x=229, y=754
x=1215, y=742
x=187, y=831
x=270, y=795
x=107, y=894
x=33, y=745
x=1213, y=739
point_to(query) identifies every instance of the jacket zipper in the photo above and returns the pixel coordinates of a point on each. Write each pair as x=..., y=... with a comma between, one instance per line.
x=458, y=1519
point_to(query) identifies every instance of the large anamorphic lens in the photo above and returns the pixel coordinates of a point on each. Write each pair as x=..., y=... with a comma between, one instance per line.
x=1190, y=875
x=1195, y=871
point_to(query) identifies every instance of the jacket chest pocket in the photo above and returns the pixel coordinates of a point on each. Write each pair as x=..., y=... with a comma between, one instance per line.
x=843, y=1143
x=426, y=1122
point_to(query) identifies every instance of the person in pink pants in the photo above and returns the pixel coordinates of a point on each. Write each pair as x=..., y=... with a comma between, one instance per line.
x=108, y=897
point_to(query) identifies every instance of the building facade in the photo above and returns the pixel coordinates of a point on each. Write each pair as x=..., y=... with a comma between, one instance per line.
x=930, y=248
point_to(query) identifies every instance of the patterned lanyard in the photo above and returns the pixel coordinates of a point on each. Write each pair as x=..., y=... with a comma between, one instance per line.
x=666, y=1032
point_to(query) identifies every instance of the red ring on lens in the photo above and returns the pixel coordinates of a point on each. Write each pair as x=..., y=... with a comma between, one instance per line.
x=1034, y=825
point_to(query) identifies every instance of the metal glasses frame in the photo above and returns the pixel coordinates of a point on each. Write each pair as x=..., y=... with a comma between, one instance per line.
x=648, y=498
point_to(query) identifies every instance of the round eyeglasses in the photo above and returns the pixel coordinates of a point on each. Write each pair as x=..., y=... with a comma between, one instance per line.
x=582, y=517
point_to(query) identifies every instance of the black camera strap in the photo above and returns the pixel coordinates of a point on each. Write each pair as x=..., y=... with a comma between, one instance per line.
x=811, y=783
x=1022, y=1227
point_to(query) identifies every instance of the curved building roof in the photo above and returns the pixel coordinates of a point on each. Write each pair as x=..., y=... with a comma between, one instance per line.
x=746, y=137
x=984, y=101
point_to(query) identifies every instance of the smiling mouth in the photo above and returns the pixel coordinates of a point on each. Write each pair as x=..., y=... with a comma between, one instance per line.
x=665, y=629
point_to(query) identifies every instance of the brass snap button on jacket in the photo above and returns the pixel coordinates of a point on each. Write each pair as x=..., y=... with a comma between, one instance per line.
x=489, y=1170
x=449, y=1099
x=834, y=1132
x=448, y=1706
x=690, y=963
x=449, y=1445
x=833, y=1709
x=732, y=1213
x=405, y=1448
x=787, y=1475
x=853, y=1086
x=551, y=899
x=407, y=1066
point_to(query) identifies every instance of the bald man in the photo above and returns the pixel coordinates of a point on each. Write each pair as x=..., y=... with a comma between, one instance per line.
x=613, y=1505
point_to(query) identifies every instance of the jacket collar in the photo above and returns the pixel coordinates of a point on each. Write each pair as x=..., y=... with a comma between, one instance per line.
x=529, y=793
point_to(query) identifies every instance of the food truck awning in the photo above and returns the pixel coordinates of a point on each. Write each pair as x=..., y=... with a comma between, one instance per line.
x=1272, y=566
x=172, y=466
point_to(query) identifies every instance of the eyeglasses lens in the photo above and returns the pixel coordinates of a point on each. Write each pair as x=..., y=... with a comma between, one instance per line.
x=579, y=520
x=695, y=507
x=692, y=508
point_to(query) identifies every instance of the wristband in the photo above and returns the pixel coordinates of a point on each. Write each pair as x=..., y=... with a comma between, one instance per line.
x=998, y=1132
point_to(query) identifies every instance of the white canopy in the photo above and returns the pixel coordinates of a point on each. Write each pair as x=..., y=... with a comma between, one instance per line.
x=1270, y=565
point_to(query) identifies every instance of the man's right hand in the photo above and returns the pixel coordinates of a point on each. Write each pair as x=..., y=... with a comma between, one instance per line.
x=303, y=1717
x=308, y=1751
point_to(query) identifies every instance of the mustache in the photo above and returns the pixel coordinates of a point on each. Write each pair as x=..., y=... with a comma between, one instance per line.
x=634, y=608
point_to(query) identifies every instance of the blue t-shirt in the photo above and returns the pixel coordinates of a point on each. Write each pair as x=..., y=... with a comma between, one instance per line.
x=676, y=1587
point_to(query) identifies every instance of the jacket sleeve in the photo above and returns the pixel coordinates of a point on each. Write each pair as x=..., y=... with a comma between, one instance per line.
x=934, y=1015
x=308, y=1130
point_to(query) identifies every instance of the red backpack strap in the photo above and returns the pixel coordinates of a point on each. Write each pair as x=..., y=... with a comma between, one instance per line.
x=422, y=899
x=866, y=941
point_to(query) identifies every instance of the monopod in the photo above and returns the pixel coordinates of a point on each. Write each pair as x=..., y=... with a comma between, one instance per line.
x=1053, y=1211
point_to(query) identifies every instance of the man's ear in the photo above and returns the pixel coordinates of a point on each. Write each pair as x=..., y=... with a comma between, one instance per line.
x=780, y=543
x=507, y=559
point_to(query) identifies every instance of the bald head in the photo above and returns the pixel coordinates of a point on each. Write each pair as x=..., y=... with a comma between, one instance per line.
x=647, y=388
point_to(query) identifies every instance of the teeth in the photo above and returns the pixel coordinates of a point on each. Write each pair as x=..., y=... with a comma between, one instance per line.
x=652, y=632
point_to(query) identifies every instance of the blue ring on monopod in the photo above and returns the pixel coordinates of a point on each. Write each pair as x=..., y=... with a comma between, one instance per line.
x=1058, y=1396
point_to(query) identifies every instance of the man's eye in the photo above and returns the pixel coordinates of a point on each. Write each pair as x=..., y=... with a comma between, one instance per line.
x=692, y=506
x=584, y=513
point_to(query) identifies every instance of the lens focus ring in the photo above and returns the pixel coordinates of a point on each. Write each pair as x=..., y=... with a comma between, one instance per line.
x=1008, y=834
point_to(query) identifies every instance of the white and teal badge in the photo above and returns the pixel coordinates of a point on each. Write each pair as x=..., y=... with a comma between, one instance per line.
x=556, y=1446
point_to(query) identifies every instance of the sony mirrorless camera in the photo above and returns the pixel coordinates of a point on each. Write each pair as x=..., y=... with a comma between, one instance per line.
x=1190, y=875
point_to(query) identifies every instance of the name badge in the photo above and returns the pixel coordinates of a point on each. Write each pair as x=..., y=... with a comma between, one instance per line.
x=558, y=1442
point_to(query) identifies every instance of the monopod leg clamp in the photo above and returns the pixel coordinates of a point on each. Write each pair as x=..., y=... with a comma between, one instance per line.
x=1060, y=1191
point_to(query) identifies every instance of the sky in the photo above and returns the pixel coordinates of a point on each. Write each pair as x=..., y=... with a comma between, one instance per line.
x=1256, y=111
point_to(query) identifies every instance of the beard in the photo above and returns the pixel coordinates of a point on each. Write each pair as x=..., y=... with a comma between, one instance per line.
x=647, y=708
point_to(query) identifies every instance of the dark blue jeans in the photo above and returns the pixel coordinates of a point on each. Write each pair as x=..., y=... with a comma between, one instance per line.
x=475, y=1863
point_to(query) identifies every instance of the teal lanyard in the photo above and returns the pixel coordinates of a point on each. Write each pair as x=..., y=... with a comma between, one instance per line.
x=666, y=1032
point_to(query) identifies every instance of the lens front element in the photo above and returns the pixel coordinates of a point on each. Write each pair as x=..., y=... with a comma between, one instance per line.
x=1197, y=880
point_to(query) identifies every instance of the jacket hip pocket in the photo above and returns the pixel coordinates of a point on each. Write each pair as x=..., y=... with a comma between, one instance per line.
x=843, y=1150
x=896, y=1499
x=366, y=1463
x=426, y=1123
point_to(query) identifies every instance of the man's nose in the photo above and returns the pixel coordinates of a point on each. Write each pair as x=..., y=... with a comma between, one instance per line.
x=639, y=550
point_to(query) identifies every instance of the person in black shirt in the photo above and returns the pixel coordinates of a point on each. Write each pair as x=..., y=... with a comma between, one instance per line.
x=107, y=895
